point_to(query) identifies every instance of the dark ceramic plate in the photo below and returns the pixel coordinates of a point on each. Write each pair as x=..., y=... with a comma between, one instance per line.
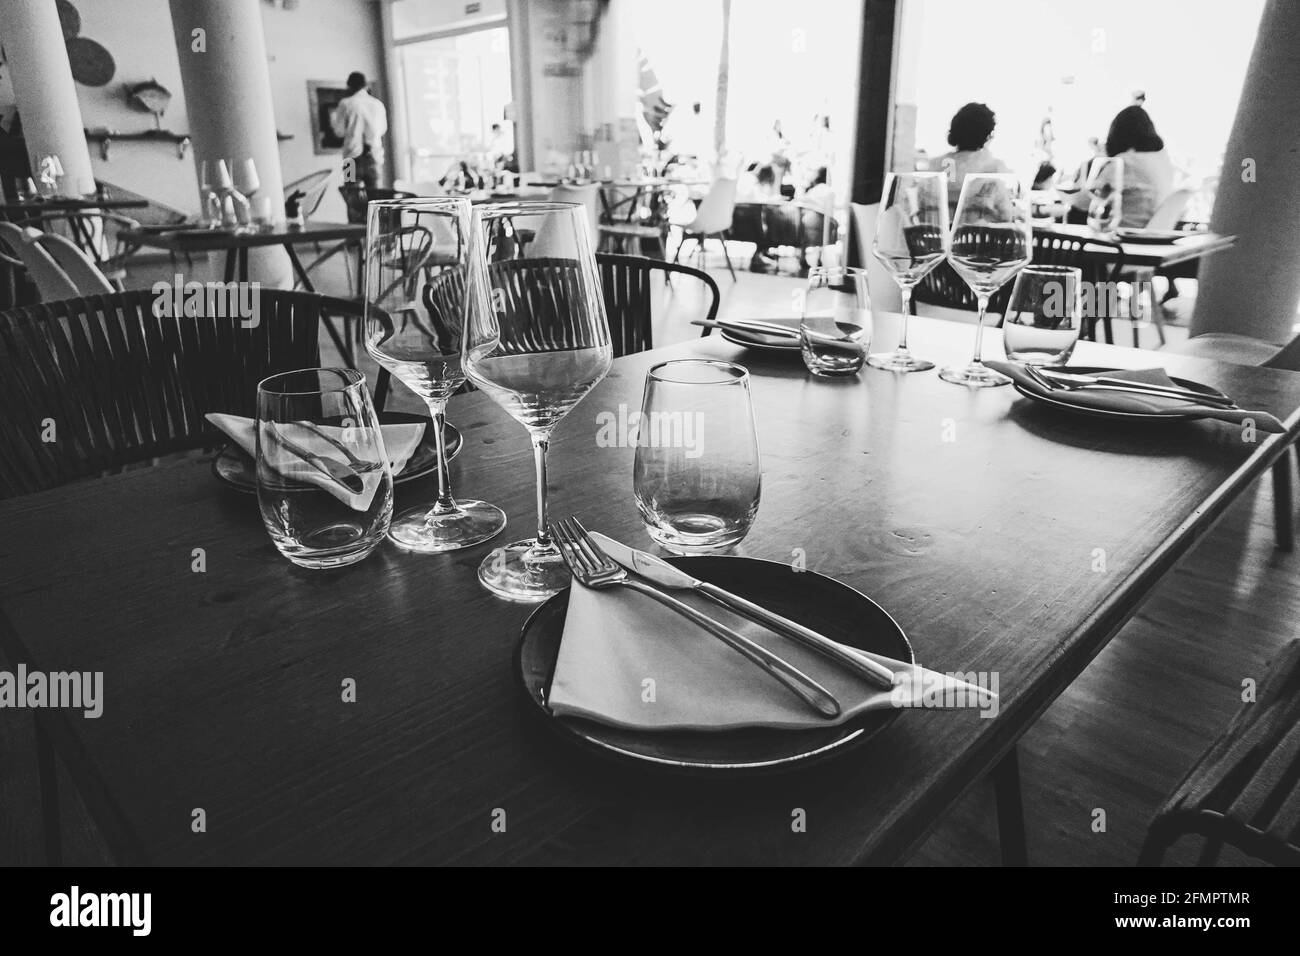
x=757, y=340
x=1064, y=400
x=825, y=605
x=235, y=468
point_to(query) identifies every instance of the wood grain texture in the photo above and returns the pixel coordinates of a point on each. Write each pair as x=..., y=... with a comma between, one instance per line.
x=223, y=688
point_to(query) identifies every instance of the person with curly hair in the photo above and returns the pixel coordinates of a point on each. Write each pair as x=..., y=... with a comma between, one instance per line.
x=969, y=134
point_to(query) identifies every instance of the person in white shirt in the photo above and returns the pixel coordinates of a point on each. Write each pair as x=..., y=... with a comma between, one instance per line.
x=361, y=121
x=969, y=134
x=1148, y=171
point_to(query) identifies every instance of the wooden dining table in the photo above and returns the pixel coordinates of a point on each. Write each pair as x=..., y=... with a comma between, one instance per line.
x=1003, y=536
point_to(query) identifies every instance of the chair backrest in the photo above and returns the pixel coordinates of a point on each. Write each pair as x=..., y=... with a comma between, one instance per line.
x=628, y=284
x=716, y=208
x=51, y=281
x=587, y=196
x=356, y=198
x=121, y=385
x=1170, y=211
x=313, y=187
x=79, y=267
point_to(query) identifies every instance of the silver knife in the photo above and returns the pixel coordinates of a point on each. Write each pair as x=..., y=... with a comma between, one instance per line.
x=1167, y=391
x=667, y=576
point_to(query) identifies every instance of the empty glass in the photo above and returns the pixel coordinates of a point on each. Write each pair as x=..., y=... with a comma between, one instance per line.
x=324, y=484
x=1106, y=187
x=911, y=239
x=1041, y=326
x=697, y=476
x=416, y=271
x=835, y=321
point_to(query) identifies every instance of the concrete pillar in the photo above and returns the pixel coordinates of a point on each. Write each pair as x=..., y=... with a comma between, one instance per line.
x=228, y=92
x=521, y=83
x=44, y=91
x=1252, y=289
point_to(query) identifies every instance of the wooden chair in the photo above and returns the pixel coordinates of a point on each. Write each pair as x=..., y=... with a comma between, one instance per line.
x=944, y=288
x=627, y=286
x=118, y=385
x=1245, y=789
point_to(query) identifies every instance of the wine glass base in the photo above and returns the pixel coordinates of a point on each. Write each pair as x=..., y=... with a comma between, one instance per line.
x=973, y=375
x=898, y=362
x=419, y=529
x=513, y=573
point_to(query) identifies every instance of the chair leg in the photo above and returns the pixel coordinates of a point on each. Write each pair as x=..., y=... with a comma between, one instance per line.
x=1156, y=315
x=1011, y=810
x=1283, y=504
x=381, y=389
x=726, y=255
x=48, y=778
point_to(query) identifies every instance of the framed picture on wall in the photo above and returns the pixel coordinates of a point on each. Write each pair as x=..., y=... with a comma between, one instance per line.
x=323, y=97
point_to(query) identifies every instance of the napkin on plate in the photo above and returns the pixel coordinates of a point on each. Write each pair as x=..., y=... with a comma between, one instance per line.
x=615, y=641
x=1129, y=402
x=400, y=442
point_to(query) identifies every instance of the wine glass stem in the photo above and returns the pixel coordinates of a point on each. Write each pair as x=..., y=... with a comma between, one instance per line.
x=445, y=504
x=541, y=442
x=906, y=292
x=979, y=329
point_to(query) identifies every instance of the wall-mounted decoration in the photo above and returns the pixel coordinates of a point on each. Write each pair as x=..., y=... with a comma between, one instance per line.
x=323, y=97
x=92, y=64
x=150, y=97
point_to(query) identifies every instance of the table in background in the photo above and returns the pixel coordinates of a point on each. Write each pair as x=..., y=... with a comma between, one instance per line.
x=222, y=688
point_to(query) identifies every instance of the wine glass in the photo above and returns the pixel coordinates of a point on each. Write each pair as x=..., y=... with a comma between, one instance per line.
x=245, y=177
x=1106, y=189
x=416, y=275
x=991, y=241
x=911, y=239
x=537, y=342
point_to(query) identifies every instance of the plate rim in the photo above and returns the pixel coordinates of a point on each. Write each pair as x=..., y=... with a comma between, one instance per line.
x=730, y=336
x=591, y=745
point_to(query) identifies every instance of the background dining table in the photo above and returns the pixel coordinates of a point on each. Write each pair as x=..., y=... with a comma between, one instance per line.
x=975, y=517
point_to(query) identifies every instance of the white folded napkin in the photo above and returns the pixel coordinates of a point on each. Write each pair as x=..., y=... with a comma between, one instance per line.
x=399, y=443
x=627, y=660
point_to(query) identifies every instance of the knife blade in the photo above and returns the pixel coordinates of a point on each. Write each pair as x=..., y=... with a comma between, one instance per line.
x=669, y=576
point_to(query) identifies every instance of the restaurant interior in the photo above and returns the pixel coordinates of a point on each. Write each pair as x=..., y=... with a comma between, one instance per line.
x=910, y=406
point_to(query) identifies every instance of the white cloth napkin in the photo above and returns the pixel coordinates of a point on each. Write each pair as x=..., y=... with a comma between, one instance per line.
x=1129, y=402
x=399, y=441
x=627, y=660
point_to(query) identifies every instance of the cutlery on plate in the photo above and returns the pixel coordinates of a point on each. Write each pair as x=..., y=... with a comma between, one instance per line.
x=1131, y=388
x=353, y=460
x=335, y=470
x=751, y=326
x=1076, y=379
x=593, y=568
x=669, y=576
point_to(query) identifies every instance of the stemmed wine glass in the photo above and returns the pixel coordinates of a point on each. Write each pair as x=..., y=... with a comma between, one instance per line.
x=992, y=240
x=416, y=276
x=911, y=239
x=537, y=342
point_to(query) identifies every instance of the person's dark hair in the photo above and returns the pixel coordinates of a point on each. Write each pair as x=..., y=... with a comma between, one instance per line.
x=971, y=127
x=819, y=178
x=766, y=176
x=1132, y=129
x=356, y=81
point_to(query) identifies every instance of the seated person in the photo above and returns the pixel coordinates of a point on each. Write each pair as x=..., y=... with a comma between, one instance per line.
x=1148, y=170
x=969, y=134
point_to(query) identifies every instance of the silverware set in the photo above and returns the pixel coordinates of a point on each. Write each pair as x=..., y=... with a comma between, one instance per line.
x=1057, y=381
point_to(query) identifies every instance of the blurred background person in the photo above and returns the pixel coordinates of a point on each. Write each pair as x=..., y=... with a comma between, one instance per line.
x=1148, y=171
x=969, y=134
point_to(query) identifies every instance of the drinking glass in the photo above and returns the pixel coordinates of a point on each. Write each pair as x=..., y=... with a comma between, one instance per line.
x=835, y=321
x=911, y=239
x=1041, y=326
x=537, y=342
x=697, y=475
x=991, y=241
x=416, y=276
x=324, y=484
x=245, y=177
x=1106, y=187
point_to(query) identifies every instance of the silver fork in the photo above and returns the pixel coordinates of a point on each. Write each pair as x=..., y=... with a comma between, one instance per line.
x=595, y=569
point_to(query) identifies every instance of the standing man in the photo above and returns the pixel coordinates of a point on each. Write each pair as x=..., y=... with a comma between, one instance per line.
x=361, y=121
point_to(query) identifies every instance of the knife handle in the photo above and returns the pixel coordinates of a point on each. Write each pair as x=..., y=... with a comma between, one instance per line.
x=877, y=674
x=811, y=692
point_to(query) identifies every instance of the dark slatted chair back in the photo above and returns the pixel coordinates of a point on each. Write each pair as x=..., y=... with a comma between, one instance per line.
x=628, y=284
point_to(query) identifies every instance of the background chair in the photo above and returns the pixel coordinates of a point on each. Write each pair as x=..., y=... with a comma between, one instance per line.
x=628, y=287
x=1245, y=789
x=76, y=265
x=313, y=187
x=51, y=281
x=122, y=385
x=712, y=219
x=588, y=197
x=1102, y=274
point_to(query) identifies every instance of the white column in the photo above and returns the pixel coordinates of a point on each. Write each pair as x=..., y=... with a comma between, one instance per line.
x=44, y=91
x=1252, y=289
x=228, y=95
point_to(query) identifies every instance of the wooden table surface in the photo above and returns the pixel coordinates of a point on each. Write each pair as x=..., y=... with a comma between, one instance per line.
x=200, y=240
x=974, y=517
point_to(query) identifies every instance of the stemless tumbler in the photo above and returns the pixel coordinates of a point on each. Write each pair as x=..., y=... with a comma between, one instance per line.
x=1041, y=325
x=324, y=484
x=697, y=475
x=835, y=321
